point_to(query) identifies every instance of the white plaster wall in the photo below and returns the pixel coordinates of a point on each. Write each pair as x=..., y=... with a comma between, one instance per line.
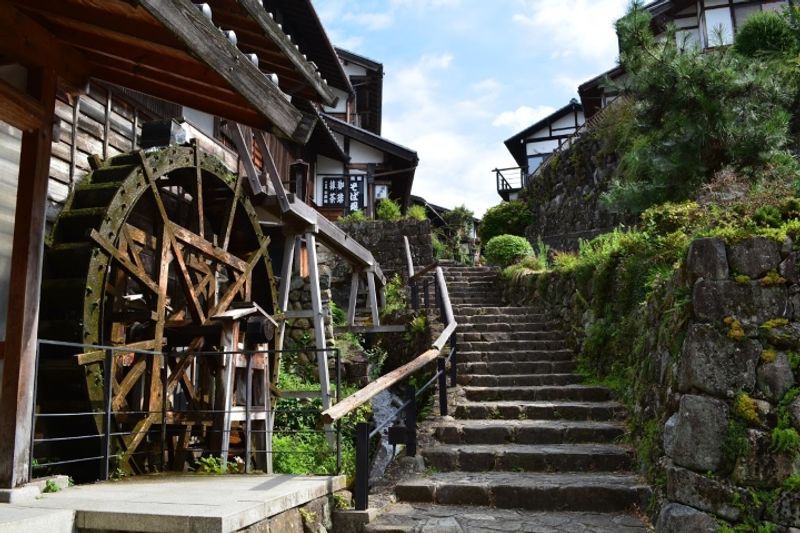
x=361, y=153
x=325, y=165
x=341, y=105
x=352, y=69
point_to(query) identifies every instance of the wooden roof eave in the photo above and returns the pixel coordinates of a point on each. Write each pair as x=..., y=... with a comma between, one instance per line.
x=209, y=45
x=274, y=32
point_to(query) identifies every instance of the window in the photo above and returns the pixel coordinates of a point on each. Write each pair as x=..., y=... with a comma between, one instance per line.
x=719, y=26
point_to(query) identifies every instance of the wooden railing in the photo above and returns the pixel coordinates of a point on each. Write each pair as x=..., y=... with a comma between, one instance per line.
x=404, y=419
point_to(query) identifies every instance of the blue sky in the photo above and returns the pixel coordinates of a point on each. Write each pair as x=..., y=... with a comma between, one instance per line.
x=464, y=75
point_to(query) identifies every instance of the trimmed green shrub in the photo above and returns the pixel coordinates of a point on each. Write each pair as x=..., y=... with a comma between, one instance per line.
x=389, y=210
x=765, y=33
x=355, y=216
x=417, y=212
x=508, y=218
x=504, y=250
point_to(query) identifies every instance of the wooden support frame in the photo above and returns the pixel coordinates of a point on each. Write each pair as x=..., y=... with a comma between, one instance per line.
x=353, y=302
x=237, y=133
x=373, y=299
x=16, y=403
x=319, y=321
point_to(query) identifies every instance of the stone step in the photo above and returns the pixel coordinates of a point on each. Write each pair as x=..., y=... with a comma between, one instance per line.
x=474, y=284
x=517, y=328
x=544, y=410
x=426, y=517
x=504, y=368
x=515, y=356
x=526, y=431
x=579, y=393
x=528, y=457
x=502, y=336
x=530, y=312
x=540, y=491
x=493, y=318
x=512, y=345
x=513, y=380
x=459, y=300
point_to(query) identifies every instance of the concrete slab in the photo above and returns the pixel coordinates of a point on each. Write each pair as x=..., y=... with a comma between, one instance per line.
x=185, y=503
x=18, y=519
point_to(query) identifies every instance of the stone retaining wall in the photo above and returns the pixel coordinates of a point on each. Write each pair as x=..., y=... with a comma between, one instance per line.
x=714, y=403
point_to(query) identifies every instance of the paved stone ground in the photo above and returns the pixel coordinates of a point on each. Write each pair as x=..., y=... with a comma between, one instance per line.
x=426, y=518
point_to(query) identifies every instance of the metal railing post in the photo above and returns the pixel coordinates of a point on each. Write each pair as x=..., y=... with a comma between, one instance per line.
x=338, y=359
x=411, y=421
x=453, y=365
x=107, y=403
x=362, y=467
x=164, y=389
x=442, y=375
x=248, y=403
x=414, y=295
x=425, y=296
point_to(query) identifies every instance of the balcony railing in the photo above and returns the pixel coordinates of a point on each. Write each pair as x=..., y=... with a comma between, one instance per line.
x=511, y=180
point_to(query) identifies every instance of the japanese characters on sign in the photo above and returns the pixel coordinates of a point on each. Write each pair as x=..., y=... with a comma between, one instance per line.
x=344, y=191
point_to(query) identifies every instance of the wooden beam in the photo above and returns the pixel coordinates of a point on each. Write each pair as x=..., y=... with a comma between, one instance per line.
x=236, y=131
x=132, y=269
x=27, y=42
x=199, y=243
x=319, y=321
x=17, y=400
x=353, y=302
x=273, y=30
x=19, y=109
x=206, y=42
x=269, y=161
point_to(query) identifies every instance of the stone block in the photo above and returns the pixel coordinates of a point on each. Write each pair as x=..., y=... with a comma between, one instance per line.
x=775, y=379
x=287, y=522
x=715, y=364
x=755, y=257
x=707, y=259
x=751, y=303
x=677, y=518
x=696, y=442
x=787, y=336
x=700, y=492
x=761, y=467
x=352, y=521
x=787, y=509
x=788, y=268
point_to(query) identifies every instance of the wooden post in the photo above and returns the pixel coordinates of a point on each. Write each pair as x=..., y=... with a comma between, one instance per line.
x=352, y=304
x=286, y=283
x=19, y=373
x=373, y=299
x=319, y=320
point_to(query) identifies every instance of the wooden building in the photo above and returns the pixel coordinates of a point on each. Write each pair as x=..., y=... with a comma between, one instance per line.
x=80, y=81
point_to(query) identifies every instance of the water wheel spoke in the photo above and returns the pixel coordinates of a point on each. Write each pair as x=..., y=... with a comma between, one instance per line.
x=232, y=214
x=229, y=295
x=198, y=197
x=127, y=383
x=202, y=245
x=125, y=263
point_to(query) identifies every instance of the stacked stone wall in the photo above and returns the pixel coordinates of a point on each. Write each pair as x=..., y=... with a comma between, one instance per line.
x=716, y=400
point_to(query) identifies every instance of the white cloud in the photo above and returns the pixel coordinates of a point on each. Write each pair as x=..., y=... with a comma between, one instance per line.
x=371, y=21
x=583, y=28
x=456, y=156
x=522, y=117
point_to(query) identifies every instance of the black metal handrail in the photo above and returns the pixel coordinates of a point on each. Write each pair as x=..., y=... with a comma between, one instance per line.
x=519, y=181
x=106, y=433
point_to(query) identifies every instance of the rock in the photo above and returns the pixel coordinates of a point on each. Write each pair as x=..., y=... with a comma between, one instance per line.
x=670, y=434
x=713, y=363
x=700, y=492
x=707, y=259
x=788, y=268
x=786, y=336
x=787, y=509
x=761, y=467
x=699, y=433
x=775, y=379
x=297, y=283
x=794, y=412
x=755, y=257
x=677, y=518
x=751, y=303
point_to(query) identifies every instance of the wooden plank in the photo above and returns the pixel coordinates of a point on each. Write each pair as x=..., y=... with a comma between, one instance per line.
x=19, y=109
x=127, y=383
x=98, y=356
x=199, y=243
x=268, y=163
x=26, y=41
x=237, y=134
x=19, y=371
x=73, y=149
x=424, y=271
x=362, y=396
x=198, y=193
x=206, y=42
x=237, y=193
x=167, y=253
x=273, y=30
x=373, y=299
x=353, y=301
x=106, y=123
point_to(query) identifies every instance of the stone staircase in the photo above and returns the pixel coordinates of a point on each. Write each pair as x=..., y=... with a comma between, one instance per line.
x=528, y=448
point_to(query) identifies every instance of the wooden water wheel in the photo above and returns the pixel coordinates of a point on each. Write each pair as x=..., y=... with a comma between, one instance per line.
x=149, y=248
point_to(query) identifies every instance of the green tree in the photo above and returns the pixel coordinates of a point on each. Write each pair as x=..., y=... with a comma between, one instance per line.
x=507, y=218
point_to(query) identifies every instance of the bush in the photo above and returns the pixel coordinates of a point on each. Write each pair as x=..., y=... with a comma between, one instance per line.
x=508, y=218
x=355, y=216
x=504, y=250
x=765, y=33
x=417, y=212
x=389, y=210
